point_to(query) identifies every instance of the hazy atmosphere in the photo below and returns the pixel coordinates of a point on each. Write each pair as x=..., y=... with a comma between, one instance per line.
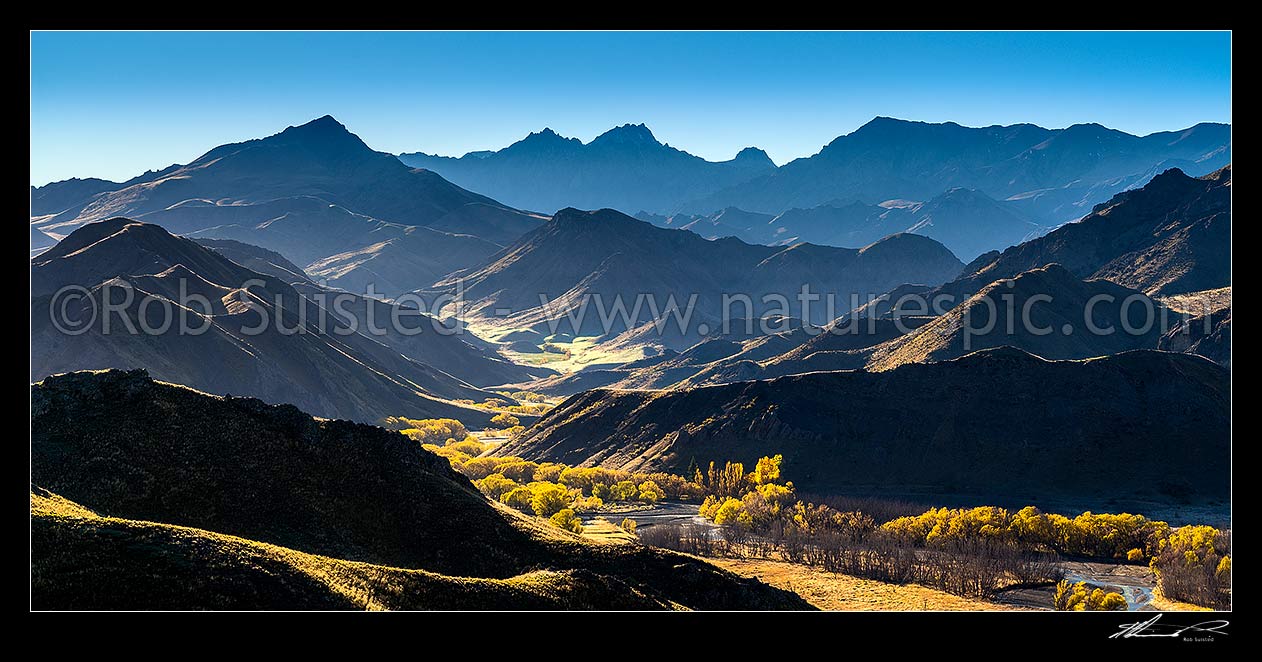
x=622, y=321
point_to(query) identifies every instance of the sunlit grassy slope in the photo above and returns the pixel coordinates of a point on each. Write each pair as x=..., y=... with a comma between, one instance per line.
x=178, y=499
x=834, y=592
x=86, y=561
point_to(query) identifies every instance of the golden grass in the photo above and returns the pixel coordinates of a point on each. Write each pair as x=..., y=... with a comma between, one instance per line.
x=355, y=585
x=832, y=592
x=1199, y=303
x=1163, y=603
x=47, y=503
x=604, y=531
x=568, y=355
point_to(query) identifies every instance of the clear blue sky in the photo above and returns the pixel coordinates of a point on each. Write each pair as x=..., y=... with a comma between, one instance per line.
x=113, y=105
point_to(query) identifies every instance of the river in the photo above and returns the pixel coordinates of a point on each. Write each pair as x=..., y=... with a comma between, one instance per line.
x=667, y=512
x=1136, y=583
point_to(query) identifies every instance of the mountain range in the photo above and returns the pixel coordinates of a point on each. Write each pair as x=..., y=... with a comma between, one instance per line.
x=966, y=221
x=1171, y=236
x=335, y=366
x=999, y=314
x=229, y=460
x=625, y=168
x=314, y=193
x=1053, y=175
x=1148, y=254
x=1049, y=175
x=1102, y=426
x=608, y=257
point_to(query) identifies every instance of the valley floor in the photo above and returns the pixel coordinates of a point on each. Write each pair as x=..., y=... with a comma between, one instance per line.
x=824, y=590
x=838, y=592
x=834, y=592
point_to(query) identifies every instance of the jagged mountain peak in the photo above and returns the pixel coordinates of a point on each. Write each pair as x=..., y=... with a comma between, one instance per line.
x=625, y=168
x=754, y=155
x=545, y=137
x=627, y=134
x=323, y=131
x=322, y=123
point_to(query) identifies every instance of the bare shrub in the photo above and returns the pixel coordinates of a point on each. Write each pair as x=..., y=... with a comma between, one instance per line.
x=687, y=538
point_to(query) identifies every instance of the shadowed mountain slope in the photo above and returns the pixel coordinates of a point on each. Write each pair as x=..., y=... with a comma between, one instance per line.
x=334, y=366
x=995, y=422
x=1169, y=237
x=580, y=255
x=319, y=159
x=459, y=354
x=966, y=221
x=162, y=456
x=98, y=563
x=1046, y=312
x=312, y=192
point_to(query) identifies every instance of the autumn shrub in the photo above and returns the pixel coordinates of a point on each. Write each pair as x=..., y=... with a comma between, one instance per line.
x=547, y=499
x=455, y=457
x=520, y=498
x=731, y=512
x=1194, y=565
x=495, y=486
x=624, y=490
x=1085, y=597
x=650, y=492
x=504, y=420
x=1090, y=535
x=479, y=467
x=549, y=472
x=470, y=447
x=674, y=486
x=524, y=396
x=522, y=471
x=586, y=504
x=432, y=430
x=566, y=519
x=766, y=470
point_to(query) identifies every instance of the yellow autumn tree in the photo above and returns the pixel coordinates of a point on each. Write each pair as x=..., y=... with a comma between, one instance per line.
x=519, y=498
x=767, y=470
x=504, y=420
x=732, y=513
x=495, y=486
x=650, y=492
x=1082, y=597
x=549, y=472
x=434, y=430
x=480, y=467
x=624, y=490
x=547, y=499
x=566, y=519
